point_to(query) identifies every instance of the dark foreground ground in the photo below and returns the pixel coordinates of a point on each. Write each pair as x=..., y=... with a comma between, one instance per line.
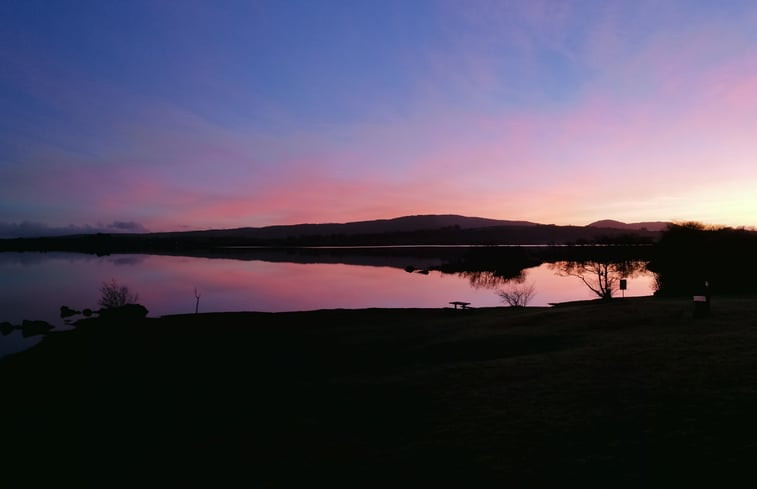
x=634, y=393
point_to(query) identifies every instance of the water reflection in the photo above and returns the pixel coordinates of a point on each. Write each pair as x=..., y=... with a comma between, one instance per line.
x=602, y=277
x=15, y=341
x=488, y=279
x=36, y=285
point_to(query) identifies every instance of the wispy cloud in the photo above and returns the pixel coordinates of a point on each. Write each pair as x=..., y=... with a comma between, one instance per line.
x=551, y=111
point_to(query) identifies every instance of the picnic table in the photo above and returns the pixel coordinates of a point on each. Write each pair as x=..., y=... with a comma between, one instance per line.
x=462, y=304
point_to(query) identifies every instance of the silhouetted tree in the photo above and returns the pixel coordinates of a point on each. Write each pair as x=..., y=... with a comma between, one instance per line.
x=113, y=295
x=518, y=295
x=690, y=253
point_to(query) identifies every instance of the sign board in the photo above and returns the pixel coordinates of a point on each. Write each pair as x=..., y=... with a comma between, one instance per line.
x=623, y=284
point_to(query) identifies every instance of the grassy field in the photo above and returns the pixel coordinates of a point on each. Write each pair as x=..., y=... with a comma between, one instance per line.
x=635, y=392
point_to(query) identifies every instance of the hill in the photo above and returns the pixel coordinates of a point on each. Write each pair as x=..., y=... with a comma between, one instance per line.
x=407, y=230
x=377, y=226
x=633, y=226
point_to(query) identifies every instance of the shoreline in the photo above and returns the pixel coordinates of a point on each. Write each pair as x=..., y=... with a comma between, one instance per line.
x=632, y=392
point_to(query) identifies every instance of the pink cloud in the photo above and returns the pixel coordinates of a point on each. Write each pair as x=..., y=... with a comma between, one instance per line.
x=653, y=120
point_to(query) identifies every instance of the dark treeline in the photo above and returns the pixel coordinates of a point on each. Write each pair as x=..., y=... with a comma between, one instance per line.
x=209, y=240
x=688, y=259
x=510, y=262
x=688, y=255
x=683, y=257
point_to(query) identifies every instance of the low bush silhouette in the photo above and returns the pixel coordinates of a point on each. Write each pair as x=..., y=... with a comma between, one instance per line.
x=518, y=295
x=113, y=295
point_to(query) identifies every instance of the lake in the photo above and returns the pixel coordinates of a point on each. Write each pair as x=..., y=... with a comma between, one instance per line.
x=36, y=285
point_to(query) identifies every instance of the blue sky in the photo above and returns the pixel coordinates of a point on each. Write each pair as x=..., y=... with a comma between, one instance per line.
x=191, y=115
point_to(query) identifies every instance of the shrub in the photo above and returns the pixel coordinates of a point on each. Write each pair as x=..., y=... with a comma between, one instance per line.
x=113, y=295
x=518, y=295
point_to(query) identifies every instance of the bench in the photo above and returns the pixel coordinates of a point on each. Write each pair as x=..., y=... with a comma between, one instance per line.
x=462, y=305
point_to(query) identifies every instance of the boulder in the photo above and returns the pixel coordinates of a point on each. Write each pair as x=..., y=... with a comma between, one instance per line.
x=6, y=328
x=33, y=328
x=66, y=312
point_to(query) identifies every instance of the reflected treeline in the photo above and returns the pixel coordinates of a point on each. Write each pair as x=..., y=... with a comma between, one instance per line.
x=421, y=257
x=33, y=258
x=502, y=262
x=27, y=259
x=486, y=279
x=684, y=257
x=600, y=267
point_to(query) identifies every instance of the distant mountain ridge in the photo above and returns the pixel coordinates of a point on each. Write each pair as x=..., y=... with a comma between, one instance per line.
x=417, y=229
x=378, y=226
x=408, y=224
x=633, y=226
x=435, y=230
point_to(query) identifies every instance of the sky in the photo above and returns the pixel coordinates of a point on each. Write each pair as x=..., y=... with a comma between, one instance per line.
x=176, y=115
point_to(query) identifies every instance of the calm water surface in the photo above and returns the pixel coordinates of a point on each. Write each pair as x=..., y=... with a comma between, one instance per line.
x=35, y=285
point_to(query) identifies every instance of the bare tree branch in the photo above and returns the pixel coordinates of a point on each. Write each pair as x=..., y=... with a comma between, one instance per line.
x=518, y=295
x=113, y=295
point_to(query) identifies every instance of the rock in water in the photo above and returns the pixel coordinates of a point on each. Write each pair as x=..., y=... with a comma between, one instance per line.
x=66, y=312
x=33, y=328
x=6, y=328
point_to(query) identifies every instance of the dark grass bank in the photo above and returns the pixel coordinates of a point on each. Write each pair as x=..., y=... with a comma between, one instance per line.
x=635, y=392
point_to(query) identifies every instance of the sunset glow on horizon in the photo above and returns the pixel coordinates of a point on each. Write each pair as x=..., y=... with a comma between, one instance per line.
x=166, y=116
